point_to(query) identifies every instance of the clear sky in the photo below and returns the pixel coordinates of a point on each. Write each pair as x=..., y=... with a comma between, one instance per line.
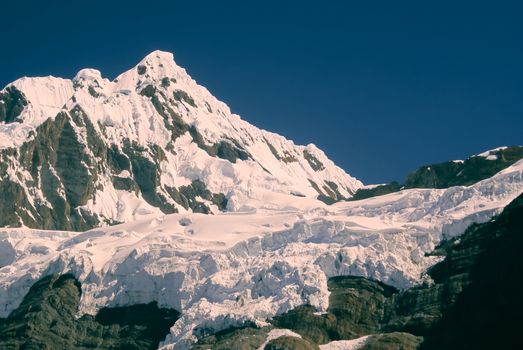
x=381, y=86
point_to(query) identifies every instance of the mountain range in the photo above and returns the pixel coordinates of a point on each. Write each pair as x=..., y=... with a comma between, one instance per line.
x=140, y=213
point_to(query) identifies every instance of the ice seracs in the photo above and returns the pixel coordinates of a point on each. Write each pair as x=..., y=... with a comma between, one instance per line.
x=88, y=74
x=223, y=270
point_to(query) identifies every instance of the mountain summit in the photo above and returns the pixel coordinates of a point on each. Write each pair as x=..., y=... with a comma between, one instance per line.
x=80, y=153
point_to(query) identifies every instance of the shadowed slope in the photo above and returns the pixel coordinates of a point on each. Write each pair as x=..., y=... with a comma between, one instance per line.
x=46, y=320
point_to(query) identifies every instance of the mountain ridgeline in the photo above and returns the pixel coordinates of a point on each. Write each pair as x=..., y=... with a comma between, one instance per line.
x=87, y=152
x=451, y=173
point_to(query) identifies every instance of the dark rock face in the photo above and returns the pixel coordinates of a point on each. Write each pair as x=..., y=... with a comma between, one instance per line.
x=229, y=149
x=46, y=320
x=358, y=304
x=59, y=168
x=155, y=321
x=182, y=96
x=315, y=164
x=380, y=190
x=392, y=341
x=286, y=157
x=64, y=169
x=329, y=194
x=187, y=197
x=12, y=103
x=356, y=308
x=472, y=170
x=234, y=339
x=487, y=313
x=303, y=320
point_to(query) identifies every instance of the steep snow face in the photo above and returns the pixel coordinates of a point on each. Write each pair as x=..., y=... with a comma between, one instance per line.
x=46, y=96
x=223, y=270
x=155, y=116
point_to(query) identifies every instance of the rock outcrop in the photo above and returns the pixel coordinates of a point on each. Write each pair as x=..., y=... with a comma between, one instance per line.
x=46, y=319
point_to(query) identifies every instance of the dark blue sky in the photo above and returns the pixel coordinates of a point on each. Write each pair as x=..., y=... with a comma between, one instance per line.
x=382, y=88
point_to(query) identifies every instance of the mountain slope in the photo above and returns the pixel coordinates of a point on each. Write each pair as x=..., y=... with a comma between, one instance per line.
x=230, y=269
x=81, y=153
x=473, y=302
x=487, y=313
x=474, y=289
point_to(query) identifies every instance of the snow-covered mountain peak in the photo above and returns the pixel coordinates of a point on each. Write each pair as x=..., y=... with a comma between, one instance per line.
x=88, y=74
x=149, y=153
x=154, y=68
x=150, y=141
x=158, y=60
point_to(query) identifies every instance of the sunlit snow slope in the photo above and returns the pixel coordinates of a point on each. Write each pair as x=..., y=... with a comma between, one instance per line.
x=88, y=152
x=225, y=269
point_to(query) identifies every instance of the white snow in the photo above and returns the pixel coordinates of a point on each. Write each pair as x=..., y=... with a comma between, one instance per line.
x=353, y=344
x=486, y=154
x=226, y=269
x=370, y=187
x=277, y=333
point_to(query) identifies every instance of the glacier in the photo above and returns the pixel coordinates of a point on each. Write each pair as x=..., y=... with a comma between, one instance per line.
x=226, y=269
